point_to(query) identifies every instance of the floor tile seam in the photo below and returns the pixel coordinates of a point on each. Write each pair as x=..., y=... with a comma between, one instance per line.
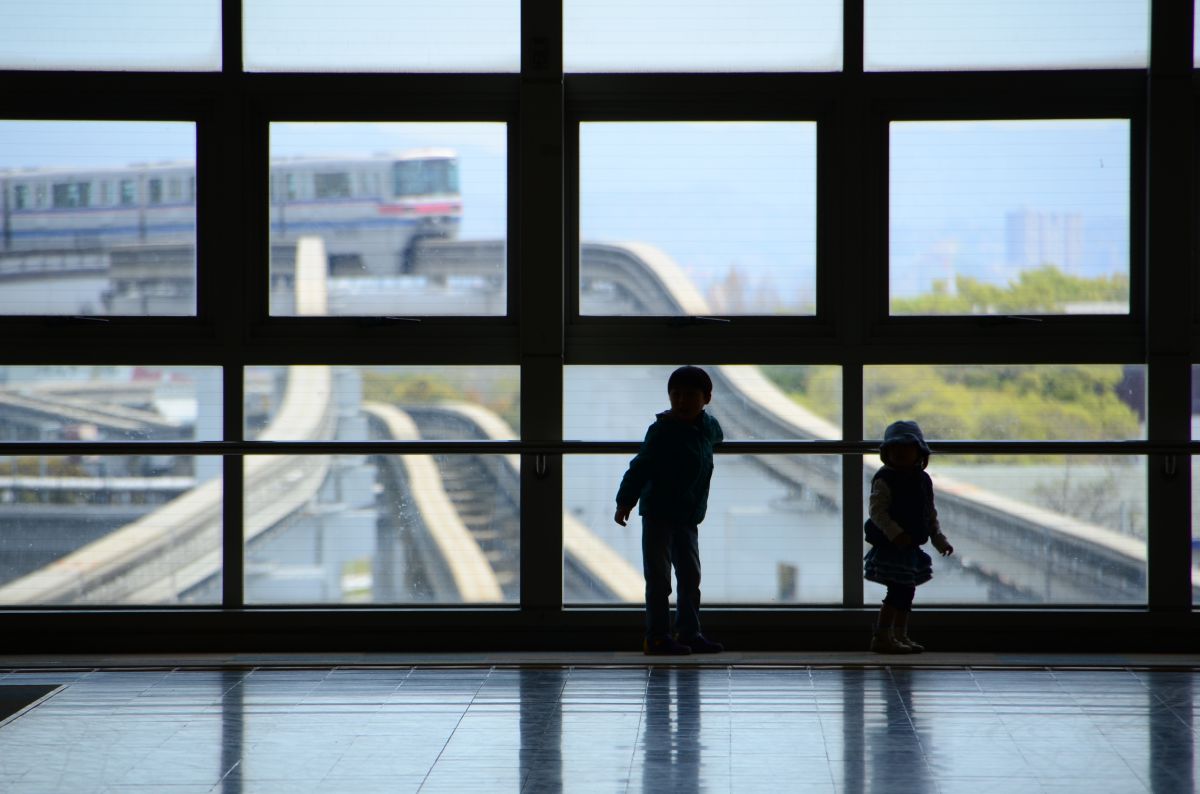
x=637, y=734
x=450, y=735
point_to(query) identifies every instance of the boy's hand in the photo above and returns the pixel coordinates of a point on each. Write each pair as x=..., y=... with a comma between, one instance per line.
x=942, y=545
x=623, y=514
x=903, y=540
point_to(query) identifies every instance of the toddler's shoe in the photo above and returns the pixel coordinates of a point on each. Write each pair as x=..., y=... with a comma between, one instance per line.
x=664, y=646
x=702, y=644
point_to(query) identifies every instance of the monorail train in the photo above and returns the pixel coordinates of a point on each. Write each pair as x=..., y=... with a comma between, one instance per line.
x=369, y=210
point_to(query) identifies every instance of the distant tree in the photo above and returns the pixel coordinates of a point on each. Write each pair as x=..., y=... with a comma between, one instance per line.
x=1041, y=290
x=990, y=403
x=424, y=389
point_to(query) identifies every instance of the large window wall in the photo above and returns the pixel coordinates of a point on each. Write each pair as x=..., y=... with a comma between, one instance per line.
x=412, y=302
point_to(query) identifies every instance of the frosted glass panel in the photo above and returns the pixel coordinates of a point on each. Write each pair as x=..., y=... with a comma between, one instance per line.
x=1007, y=34
x=677, y=36
x=118, y=35
x=377, y=36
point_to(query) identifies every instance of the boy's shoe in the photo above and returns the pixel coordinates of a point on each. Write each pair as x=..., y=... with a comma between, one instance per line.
x=664, y=646
x=883, y=641
x=904, y=639
x=702, y=644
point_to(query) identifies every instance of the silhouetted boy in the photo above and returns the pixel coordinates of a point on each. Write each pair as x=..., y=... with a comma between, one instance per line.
x=670, y=476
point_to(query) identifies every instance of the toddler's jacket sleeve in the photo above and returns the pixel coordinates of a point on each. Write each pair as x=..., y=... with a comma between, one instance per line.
x=881, y=500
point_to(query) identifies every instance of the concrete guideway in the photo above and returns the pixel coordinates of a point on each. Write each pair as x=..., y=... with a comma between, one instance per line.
x=162, y=555
x=1088, y=561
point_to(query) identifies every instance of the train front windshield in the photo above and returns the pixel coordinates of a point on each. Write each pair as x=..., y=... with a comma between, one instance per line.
x=425, y=177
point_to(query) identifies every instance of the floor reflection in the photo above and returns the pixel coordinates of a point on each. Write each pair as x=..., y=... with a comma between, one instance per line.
x=233, y=723
x=672, y=721
x=660, y=729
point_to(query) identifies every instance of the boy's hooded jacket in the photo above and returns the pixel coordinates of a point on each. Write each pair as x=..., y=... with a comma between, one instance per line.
x=670, y=475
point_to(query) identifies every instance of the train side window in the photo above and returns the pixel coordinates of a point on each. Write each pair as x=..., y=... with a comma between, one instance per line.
x=156, y=191
x=192, y=189
x=447, y=175
x=40, y=195
x=67, y=195
x=174, y=189
x=336, y=185
x=128, y=193
x=290, y=182
x=105, y=193
x=21, y=197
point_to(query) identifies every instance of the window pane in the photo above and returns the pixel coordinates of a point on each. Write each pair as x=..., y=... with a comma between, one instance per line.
x=339, y=529
x=110, y=403
x=370, y=36
x=133, y=35
x=441, y=403
x=1007, y=34
x=82, y=231
x=1009, y=217
x=674, y=36
x=110, y=530
x=772, y=533
x=750, y=402
x=685, y=218
x=410, y=218
x=1013, y=402
x=1055, y=529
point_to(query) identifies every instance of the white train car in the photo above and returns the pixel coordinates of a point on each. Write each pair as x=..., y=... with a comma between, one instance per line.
x=55, y=209
x=368, y=210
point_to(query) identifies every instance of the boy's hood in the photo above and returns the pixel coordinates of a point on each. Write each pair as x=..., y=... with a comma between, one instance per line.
x=704, y=420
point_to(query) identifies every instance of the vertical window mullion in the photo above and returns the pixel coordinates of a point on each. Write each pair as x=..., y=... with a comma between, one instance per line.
x=842, y=176
x=228, y=281
x=540, y=311
x=233, y=492
x=1170, y=146
x=852, y=487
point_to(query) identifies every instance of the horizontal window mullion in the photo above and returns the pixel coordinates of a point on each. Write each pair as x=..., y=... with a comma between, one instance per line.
x=577, y=447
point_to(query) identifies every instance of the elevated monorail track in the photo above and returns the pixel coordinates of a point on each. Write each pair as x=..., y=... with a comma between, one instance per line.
x=1020, y=548
x=485, y=493
x=162, y=556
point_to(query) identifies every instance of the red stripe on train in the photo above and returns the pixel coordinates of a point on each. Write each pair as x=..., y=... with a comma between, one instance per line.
x=444, y=208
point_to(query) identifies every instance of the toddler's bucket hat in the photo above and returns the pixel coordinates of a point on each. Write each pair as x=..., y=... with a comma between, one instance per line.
x=903, y=432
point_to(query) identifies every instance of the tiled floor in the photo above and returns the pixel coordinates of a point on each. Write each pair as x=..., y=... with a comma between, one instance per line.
x=605, y=729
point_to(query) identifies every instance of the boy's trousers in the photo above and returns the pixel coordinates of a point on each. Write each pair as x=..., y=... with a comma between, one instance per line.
x=666, y=543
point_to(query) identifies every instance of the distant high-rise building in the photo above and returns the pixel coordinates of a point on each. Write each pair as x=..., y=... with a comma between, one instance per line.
x=1045, y=238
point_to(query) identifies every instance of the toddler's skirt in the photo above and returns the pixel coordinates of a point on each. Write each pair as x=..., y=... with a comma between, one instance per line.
x=889, y=564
